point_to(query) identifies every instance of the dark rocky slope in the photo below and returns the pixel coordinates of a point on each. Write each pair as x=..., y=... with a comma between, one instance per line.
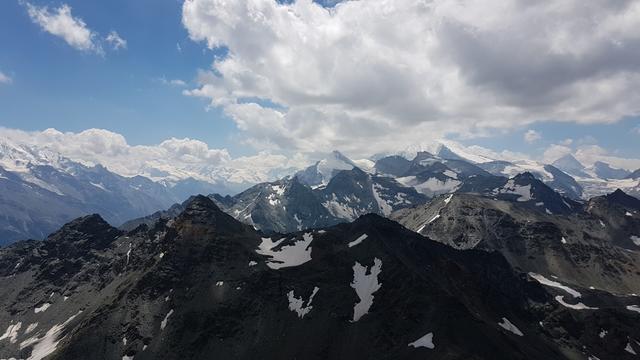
x=203, y=285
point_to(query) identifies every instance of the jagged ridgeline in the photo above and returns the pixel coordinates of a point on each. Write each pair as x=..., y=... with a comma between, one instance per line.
x=203, y=285
x=40, y=190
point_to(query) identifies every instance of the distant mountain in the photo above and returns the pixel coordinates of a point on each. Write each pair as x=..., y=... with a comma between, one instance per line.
x=549, y=174
x=596, y=245
x=38, y=200
x=323, y=171
x=570, y=165
x=605, y=171
x=290, y=205
x=634, y=175
x=41, y=190
x=202, y=285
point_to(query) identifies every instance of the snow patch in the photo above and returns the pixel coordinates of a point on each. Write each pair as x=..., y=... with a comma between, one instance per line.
x=602, y=333
x=628, y=214
x=219, y=283
x=544, y=281
x=297, y=219
x=252, y=263
x=365, y=286
x=164, y=322
x=450, y=174
x=635, y=239
x=508, y=325
x=31, y=327
x=448, y=199
x=563, y=240
x=635, y=308
x=434, y=219
x=358, y=240
x=425, y=341
x=629, y=349
x=385, y=208
x=42, y=308
x=99, y=186
x=288, y=255
x=578, y=306
x=12, y=332
x=278, y=189
x=297, y=304
x=44, y=346
x=129, y=253
x=523, y=192
x=273, y=201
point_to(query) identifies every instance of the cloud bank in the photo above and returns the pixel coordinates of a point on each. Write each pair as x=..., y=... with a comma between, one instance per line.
x=304, y=77
x=171, y=160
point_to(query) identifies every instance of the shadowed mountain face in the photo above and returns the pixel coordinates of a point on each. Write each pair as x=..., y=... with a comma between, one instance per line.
x=289, y=205
x=203, y=285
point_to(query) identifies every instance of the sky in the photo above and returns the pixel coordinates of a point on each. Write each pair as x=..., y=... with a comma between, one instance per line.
x=250, y=80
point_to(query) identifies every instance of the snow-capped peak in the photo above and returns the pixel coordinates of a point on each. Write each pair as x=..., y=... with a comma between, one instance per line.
x=323, y=170
x=444, y=149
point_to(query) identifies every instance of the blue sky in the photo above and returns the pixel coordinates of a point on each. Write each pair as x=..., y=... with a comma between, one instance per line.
x=127, y=91
x=55, y=85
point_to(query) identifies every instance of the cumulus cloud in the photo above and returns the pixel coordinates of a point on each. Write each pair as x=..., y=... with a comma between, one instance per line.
x=556, y=151
x=384, y=72
x=61, y=23
x=116, y=41
x=589, y=154
x=5, y=79
x=532, y=136
x=171, y=160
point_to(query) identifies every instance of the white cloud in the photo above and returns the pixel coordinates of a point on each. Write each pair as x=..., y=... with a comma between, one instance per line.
x=390, y=72
x=116, y=41
x=173, y=82
x=589, y=154
x=555, y=151
x=171, y=160
x=636, y=130
x=5, y=79
x=532, y=136
x=61, y=23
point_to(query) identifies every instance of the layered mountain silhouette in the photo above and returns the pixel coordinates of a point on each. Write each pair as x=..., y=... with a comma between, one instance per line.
x=203, y=285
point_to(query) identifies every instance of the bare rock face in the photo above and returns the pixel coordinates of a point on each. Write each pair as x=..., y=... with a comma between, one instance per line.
x=589, y=246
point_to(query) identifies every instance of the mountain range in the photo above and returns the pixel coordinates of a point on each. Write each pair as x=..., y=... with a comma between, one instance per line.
x=40, y=190
x=202, y=284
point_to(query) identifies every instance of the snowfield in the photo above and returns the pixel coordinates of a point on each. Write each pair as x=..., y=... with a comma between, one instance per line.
x=508, y=325
x=297, y=304
x=425, y=341
x=544, y=281
x=288, y=255
x=357, y=241
x=365, y=286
